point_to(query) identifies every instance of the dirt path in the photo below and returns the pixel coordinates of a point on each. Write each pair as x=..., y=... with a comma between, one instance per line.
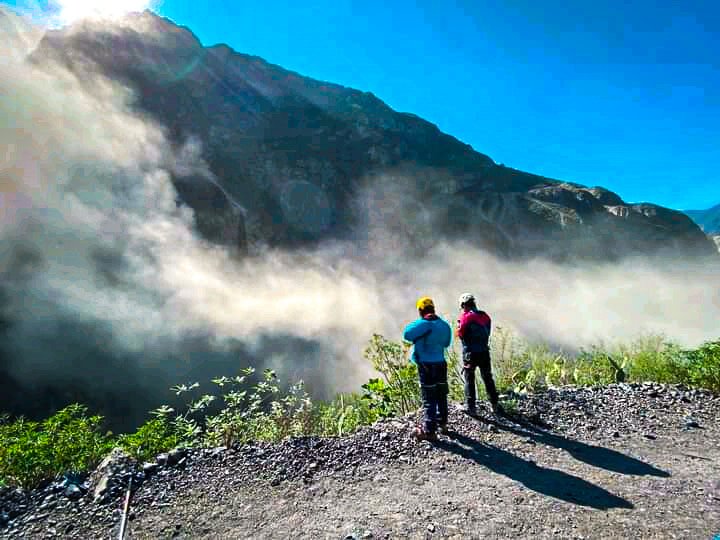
x=640, y=471
x=512, y=484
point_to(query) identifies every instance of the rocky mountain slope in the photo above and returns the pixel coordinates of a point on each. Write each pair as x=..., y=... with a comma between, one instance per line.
x=625, y=461
x=708, y=220
x=298, y=161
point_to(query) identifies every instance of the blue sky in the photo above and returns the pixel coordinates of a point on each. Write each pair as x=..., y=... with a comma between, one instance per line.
x=623, y=94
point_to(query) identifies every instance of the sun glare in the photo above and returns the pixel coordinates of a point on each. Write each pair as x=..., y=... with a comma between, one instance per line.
x=73, y=10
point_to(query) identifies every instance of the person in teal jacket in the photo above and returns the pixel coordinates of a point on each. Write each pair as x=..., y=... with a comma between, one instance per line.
x=430, y=336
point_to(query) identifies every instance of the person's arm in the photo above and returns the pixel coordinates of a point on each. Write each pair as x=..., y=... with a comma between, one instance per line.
x=448, y=336
x=462, y=325
x=414, y=331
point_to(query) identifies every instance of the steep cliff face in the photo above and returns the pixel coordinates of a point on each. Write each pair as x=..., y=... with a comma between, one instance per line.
x=297, y=161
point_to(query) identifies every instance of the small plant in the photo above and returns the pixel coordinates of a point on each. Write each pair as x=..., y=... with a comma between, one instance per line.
x=652, y=358
x=399, y=393
x=380, y=398
x=592, y=368
x=703, y=366
x=510, y=406
x=260, y=411
x=510, y=368
x=456, y=382
x=152, y=438
x=344, y=415
x=70, y=441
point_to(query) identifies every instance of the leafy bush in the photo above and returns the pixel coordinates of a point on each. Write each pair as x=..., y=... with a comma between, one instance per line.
x=511, y=368
x=524, y=367
x=70, y=441
x=594, y=367
x=345, y=415
x=251, y=407
x=455, y=375
x=252, y=412
x=704, y=366
x=152, y=438
x=398, y=393
x=654, y=359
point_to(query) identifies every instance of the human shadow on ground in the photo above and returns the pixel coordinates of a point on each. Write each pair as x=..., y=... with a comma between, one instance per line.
x=597, y=456
x=550, y=482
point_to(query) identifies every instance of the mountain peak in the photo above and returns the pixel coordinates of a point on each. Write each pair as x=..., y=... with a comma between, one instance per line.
x=302, y=156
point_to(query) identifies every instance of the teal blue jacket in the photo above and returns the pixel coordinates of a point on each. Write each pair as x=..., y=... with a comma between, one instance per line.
x=430, y=337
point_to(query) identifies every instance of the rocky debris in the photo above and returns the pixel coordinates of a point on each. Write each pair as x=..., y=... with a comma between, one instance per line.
x=73, y=492
x=619, y=408
x=112, y=476
x=556, y=417
x=172, y=458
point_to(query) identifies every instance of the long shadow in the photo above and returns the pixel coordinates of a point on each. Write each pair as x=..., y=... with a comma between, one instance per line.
x=550, y=482
x=597, y=456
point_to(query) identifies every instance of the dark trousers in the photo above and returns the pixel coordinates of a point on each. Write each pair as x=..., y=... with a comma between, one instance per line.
x=434, y=389
x=478, y=360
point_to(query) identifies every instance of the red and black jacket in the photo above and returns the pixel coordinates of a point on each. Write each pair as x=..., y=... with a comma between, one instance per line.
x=474, y=330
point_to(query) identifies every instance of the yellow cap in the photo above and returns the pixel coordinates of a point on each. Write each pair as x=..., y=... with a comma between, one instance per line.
x=424, y=303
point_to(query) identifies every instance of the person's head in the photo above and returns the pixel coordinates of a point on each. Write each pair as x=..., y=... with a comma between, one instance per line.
x=425, y=306
x=467, y=301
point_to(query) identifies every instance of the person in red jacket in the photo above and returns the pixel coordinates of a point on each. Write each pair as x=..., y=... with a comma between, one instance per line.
x=474, y=328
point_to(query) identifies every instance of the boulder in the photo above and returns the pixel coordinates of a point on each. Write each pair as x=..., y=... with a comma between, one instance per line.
x=112, y=475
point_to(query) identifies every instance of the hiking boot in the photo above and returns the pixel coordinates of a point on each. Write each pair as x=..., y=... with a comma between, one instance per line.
x=422, y=435
x=497, y=409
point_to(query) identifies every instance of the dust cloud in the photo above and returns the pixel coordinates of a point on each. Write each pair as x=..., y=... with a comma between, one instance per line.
x=108, y=295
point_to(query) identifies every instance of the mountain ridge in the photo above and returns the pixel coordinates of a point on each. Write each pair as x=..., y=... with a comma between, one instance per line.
x=310, y=160
x=708, y=219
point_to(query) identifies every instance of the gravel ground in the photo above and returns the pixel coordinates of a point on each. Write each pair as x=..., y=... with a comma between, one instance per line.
x=624, y=461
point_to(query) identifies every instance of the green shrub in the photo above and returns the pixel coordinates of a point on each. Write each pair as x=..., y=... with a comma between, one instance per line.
x=455, y=376
x=152, y=438
x=510, y=367
x=344, y=415
x=704, y=366
x=260, y=411
x=398, y=393
x=246, y=410
x=70, y=441
x=653, y=359
x=594, y=368
x=381, y=398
